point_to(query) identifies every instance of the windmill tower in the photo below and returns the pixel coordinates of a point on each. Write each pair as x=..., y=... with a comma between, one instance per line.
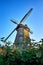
x=22, y=33
x=22, y=30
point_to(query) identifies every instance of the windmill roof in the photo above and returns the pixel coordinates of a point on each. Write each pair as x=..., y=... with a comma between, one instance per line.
x=23, y=26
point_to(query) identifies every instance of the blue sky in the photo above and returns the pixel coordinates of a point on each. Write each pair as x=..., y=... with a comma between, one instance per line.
x=17, y=9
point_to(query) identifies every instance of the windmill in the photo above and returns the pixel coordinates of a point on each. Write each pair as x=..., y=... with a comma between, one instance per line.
x=22, y=30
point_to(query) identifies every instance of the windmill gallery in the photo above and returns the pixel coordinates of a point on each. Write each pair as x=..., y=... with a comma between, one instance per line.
x=22, y=30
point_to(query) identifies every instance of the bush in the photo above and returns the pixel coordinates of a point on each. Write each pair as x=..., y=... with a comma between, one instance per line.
x=28, y=56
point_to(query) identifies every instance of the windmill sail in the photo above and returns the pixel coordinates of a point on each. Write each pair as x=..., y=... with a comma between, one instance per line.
x=26, y=15
x=10, y=34
x=14, y=21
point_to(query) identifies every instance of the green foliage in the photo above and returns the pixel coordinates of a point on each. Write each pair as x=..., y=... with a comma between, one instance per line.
x=28, y=56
